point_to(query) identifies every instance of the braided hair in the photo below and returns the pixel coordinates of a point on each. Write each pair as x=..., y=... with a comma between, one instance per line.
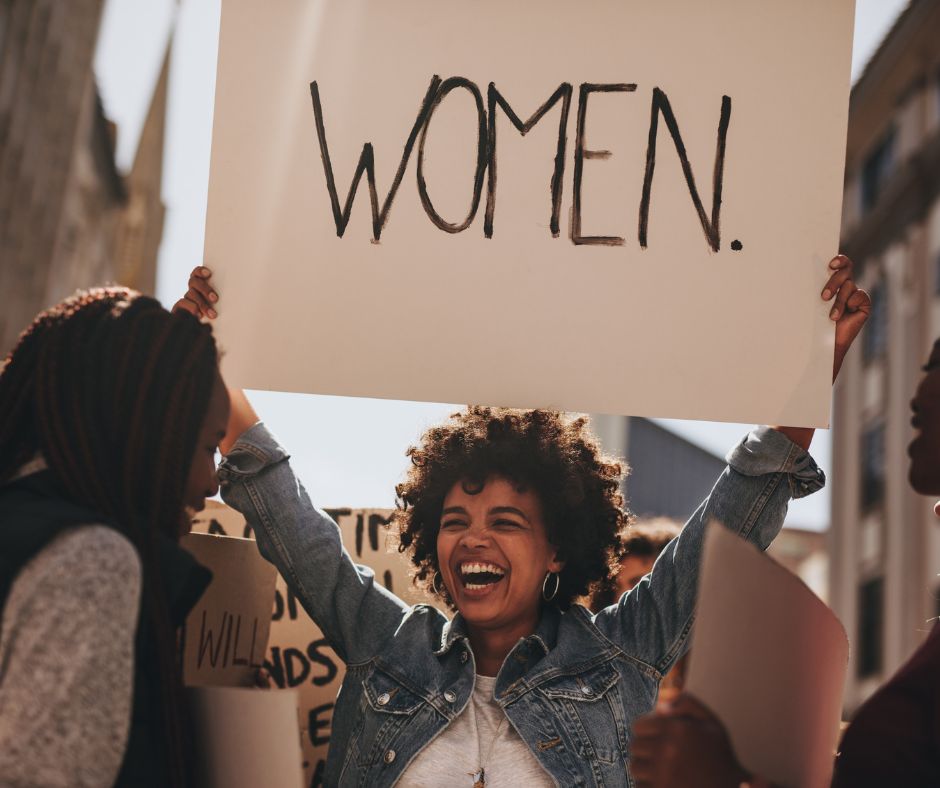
x=112, y=389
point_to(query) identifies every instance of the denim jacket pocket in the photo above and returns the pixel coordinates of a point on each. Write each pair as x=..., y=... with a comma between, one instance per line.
x=386, y=708
x=591, y=708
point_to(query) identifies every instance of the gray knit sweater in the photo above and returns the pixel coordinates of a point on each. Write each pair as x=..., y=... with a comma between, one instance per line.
x=66, y=661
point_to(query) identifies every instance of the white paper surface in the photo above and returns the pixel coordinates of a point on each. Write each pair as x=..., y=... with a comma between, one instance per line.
x=769, y=658
x=246, y=738
x=524, y=318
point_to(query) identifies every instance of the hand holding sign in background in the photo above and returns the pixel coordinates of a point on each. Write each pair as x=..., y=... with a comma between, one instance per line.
x=668, y=192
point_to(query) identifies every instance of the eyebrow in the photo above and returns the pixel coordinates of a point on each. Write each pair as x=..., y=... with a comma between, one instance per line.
x=494, y=510
x=509, y=510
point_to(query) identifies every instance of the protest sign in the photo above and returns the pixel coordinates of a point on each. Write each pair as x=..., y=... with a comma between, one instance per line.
x=226, y=633
x=669, y=193
x=298, y=655
x=246, y=738
x=769, y=658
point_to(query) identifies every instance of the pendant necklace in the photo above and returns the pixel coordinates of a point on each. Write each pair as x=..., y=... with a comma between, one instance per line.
x=479, y=776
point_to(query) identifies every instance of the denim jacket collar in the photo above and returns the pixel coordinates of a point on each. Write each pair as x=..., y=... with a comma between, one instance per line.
x=545, y=635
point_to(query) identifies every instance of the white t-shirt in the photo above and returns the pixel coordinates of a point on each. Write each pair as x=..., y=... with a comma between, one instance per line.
x=481, y=736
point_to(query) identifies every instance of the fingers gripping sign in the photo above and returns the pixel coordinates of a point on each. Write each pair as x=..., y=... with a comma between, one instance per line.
x=851, y=306
x=199, y=299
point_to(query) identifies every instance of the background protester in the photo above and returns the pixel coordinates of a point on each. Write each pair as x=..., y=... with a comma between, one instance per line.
x=111, y=410
x=894, y=738
x=643, y=541
x=507, y=517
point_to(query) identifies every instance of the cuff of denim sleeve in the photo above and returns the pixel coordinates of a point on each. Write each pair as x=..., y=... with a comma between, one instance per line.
x=254, y=451
x=765, y=450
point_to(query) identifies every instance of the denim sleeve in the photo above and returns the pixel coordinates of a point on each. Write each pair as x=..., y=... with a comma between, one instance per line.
x=652, y=622
x=356, y=614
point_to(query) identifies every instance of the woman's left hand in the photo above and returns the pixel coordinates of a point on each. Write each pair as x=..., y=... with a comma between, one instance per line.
x=850, y=307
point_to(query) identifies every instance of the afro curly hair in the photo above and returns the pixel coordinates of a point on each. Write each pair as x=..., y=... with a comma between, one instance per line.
x=544, y=451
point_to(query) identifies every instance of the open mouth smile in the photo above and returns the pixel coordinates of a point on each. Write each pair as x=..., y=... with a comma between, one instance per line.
x=480, y=575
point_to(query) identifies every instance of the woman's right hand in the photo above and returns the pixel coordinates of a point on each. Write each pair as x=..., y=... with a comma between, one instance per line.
x=200, y=296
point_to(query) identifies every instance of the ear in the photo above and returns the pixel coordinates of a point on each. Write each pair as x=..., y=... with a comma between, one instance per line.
x=557, y=563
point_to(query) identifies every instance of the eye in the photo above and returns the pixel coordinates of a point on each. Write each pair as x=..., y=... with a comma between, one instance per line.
x=452, y=525
x=508, y=524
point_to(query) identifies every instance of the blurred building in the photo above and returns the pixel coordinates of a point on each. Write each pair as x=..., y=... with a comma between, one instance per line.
x=68, y=218
x=670, y=477
x=884, y=544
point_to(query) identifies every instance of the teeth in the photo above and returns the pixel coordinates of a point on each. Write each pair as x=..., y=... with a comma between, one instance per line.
x=473, y=568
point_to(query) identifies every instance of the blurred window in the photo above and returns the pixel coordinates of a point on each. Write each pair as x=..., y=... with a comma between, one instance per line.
x=876, y=171
x=870, y=624
x=873, y=466
x=936, y=261
x=875, y=335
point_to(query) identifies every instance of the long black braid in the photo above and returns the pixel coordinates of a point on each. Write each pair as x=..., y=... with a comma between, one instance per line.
x=112, y=390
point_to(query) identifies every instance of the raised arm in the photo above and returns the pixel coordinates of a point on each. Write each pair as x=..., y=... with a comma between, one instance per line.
x=356, y=614
x=652, y=622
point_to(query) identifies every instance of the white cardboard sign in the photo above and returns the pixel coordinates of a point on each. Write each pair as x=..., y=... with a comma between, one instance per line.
x=246, y=737
x=226, y=632
x=668, y=195
x=769, y=658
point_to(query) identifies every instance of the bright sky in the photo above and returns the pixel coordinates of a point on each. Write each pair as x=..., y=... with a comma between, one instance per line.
x=348, y=451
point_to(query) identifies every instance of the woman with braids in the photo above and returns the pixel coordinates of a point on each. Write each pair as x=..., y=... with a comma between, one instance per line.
x=111, y=410
x=507, y=517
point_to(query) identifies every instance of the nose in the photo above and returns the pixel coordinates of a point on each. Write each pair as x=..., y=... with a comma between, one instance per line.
x=475, y=537
x=213, y=488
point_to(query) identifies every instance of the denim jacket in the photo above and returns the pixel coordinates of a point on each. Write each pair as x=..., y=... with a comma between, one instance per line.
x=571, y=689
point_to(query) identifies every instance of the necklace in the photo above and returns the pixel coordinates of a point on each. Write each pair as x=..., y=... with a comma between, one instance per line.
x=479, y=776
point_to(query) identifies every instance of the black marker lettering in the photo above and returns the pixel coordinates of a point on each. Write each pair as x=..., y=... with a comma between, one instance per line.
x=580, y=154
x=315, y=724
x=367, y=165
x=494, y=98
x=711, y=227
x=313, y=651
x=439, y=221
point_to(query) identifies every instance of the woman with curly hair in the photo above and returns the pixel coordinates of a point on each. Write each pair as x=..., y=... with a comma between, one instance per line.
x=507, y=517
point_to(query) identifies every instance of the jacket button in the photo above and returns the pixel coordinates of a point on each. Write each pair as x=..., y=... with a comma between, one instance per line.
x=464, y=657
x=389, y=756
x=382, y=700
x=587, y=691
x=450, y=697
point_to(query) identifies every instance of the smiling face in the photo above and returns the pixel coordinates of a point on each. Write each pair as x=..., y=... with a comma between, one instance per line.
x=493, y=553
x=924, y=450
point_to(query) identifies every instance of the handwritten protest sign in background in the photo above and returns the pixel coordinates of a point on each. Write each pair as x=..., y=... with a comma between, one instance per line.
x=298, y=655
x=668, y=195
x=226, y=633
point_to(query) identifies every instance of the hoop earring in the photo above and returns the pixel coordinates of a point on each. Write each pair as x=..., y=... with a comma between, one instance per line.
x=438, y=579
x=545, y=595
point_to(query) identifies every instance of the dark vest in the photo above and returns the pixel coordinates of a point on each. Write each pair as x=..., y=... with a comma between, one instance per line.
x=33, y=512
